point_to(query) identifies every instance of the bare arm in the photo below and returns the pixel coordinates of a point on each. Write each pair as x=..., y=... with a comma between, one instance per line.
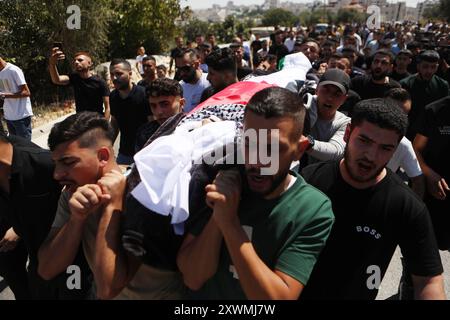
x=436, y=185
x=429, y=288
x=107, y=108
x=113, y=268
x=115, y=127
x=57, y=79
x=61, y=246
x=59, y=250
x=23, y=93
x=418, y=185
x=257, y=280
x=198, y=257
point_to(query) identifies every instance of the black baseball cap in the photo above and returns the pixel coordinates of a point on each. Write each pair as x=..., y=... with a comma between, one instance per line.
x=336, y=77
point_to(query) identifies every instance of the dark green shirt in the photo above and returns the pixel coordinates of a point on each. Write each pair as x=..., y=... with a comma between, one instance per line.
x=288, y=233
x=422, y=93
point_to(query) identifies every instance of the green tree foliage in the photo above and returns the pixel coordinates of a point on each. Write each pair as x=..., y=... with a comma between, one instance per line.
x=308, y=18
x=438, y=11
x=194, y=27
x=28, y=29
x=350, y=16
x=109, y=28
x=278, y=16
x=142, y=22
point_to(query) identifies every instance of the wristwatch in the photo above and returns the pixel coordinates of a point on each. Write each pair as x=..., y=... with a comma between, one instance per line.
x=311, y=142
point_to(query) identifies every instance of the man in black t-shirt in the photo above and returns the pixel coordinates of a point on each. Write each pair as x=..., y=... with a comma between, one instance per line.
x=28, y=202
x=278, y=48
x=175, y=52
x=375, y=211
x=378, y=83
x=129, y=108
x=432, y=144
x=91, y=92
x=402, y=61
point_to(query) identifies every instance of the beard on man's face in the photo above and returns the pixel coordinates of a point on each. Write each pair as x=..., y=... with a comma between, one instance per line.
x=190, y=75
x=361, y=169
x=263, y=185
x=121, y=84
x=379, y=74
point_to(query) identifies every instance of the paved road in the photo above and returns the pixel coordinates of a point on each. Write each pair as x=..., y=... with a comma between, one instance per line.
x=388, y=287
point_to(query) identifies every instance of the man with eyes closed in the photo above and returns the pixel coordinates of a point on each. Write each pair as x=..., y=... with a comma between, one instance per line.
x=82, y=149
x=374, y=210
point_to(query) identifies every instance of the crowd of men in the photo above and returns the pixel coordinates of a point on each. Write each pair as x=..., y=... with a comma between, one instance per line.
x=363, y=167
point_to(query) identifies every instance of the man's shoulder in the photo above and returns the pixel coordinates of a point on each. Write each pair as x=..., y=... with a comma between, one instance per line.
x=361, y=79
x=28, y=147
x=12, y=68
x=341, y=119
x=394, y=83
x=398, y=190
x=309, y=199
x=440, y=81
x=314, y=172
x=441, y=105
x=310, y=193
x=409, y=80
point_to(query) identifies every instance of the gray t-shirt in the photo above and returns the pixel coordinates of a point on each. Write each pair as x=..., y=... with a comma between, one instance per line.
x=90, y=228
x=328, y=135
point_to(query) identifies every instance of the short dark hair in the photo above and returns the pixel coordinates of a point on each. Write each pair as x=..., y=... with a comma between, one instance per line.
x=384, y=52
x=124, y=62
x=192, y=53
x=161, y=67
x=311, y=40
x=404, y=52
x=164, y=87
x=222, y=60
x=337, y=55
x=147, y=58
x=398, y=94
x=414, y=45
x=275, y=102
x=431, y=56
x=271, y=58
x=83, y=53
x=86, y=126
x=381, y=112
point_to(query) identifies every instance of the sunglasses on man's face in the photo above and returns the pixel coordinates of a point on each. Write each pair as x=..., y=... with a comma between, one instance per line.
x=185, y=68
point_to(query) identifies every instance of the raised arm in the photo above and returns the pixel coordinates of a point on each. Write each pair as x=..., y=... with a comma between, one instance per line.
x=198, y=257
x=258, y=281
x=113, y=268
x=57, y=79
x=62, y=244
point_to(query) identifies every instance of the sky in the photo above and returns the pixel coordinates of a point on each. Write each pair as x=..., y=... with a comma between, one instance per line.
x=202, y=4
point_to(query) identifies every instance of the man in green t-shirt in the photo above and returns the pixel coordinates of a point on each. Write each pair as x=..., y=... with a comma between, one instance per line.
x=424, y=88
x=266, y=229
